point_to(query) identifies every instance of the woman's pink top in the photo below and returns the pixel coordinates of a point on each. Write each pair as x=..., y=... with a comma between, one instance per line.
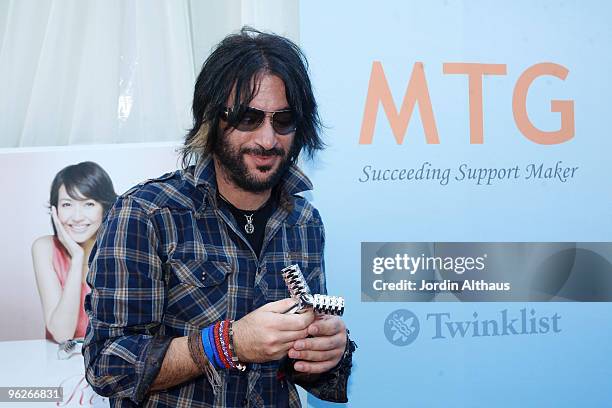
x=61, y=265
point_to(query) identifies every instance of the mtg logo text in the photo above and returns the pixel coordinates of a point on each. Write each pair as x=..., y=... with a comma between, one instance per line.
x=417, y=92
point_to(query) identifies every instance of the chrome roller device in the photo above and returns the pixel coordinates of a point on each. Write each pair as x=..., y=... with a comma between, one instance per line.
x=300, y=292
x=330, y=305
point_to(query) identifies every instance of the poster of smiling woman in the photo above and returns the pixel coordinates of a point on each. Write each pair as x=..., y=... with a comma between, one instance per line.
x=57, y=200
x=81, y=194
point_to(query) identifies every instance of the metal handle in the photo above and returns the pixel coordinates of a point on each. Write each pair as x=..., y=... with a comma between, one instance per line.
x=300, y=292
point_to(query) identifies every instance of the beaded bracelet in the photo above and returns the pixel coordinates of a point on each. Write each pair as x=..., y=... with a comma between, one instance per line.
x=217, y=344
x=216, y=337
x=224, y=342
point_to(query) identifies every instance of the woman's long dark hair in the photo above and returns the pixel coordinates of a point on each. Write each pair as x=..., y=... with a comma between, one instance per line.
x=84, y=180
x=235, y=66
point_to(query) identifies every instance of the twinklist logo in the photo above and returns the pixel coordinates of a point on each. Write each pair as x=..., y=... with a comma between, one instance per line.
x=402, y=326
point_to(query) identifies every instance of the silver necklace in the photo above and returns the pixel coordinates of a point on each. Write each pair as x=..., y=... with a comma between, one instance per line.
x=249, y=227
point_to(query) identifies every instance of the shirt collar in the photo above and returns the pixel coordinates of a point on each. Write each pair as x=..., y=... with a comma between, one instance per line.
x=293, y=181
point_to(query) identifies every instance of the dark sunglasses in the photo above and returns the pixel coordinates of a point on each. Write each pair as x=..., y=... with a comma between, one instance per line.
x=248, y=119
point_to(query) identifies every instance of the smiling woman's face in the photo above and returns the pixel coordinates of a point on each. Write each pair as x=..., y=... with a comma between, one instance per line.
x=80, y=218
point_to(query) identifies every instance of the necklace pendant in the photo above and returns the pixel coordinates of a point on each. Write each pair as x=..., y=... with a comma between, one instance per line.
x=249, y=227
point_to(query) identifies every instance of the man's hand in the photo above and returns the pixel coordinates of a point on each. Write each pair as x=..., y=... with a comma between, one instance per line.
x=266, y=334
x=323, y=351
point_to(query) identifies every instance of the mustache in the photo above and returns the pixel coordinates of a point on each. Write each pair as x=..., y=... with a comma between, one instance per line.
x=275, y=151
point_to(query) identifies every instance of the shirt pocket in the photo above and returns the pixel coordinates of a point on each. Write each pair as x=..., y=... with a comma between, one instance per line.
x=199, y=272
x=197, y=292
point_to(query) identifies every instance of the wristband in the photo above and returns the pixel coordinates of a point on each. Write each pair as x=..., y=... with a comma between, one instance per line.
x=235, y=360
x=216, y=343
x=194, y=342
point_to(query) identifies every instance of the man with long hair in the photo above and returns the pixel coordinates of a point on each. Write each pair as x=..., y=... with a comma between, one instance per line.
x=187, y=303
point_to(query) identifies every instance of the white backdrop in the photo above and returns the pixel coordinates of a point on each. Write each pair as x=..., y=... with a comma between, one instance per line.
x=116, y=71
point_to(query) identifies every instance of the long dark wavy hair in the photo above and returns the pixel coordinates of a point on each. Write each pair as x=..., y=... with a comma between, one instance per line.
x=235, y=65
x=83, y=180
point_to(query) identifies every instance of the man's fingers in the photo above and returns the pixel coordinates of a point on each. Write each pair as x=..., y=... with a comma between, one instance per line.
x=313, y=368
x=291, y=336
x=321, y=343
x=279, y=350
x=289, y=322
x=314, y=356
x=280, y=306
x=302, y=320
x=326, y=326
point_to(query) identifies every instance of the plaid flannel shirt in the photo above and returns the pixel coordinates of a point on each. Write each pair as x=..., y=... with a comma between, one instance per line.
x=169, y=261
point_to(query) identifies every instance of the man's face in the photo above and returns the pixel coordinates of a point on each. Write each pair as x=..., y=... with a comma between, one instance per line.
x=256, y=160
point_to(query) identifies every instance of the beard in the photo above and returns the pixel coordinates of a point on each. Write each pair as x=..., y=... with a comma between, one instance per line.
x=233, y=163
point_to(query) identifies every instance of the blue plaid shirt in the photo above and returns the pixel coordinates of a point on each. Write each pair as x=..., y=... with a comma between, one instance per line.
x=169, y=261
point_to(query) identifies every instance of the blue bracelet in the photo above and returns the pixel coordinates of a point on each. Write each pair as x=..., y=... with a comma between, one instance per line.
x=211, y=339
x=208, y=349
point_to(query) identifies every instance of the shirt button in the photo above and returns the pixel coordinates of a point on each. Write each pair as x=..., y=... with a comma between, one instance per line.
x=245, y=402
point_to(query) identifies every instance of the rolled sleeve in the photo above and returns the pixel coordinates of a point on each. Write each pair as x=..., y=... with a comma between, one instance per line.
x=124, y=348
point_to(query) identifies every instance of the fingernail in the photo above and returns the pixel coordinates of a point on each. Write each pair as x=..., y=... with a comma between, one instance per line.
x=299, y=367
x=298, y=345
x=294, y=354
x=314, y=330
